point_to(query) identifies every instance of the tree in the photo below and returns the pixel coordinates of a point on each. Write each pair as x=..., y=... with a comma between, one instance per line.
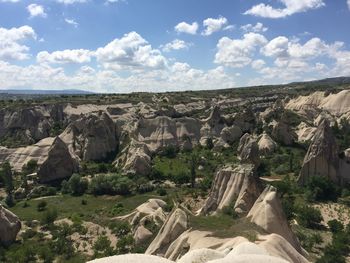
x=210, y=143
x=194, y=162
x=7, y=176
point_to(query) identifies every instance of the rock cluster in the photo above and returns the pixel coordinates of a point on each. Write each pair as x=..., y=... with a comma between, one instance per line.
x=10, y=225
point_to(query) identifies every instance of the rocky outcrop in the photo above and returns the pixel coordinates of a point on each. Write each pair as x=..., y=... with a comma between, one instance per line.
x=92, y=137
x=10, y=225
x=135, y=159
x=267, y=212
x=322, y=156
x=132, y=258
x=30, y=124
x=162, y=132
x=231, y=134
x=248, y=150
x=233, y=186
x=201, y=255
x=283, y=133
x=212, y=126
x=59, y=164
x=266, y=145
x=245, y=120
x=305, y=132
x=172, y=228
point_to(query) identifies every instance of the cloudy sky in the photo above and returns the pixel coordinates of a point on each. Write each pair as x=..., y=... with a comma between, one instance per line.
x=163, y=45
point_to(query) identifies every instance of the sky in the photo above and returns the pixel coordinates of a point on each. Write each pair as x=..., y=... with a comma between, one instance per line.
x=123, y=46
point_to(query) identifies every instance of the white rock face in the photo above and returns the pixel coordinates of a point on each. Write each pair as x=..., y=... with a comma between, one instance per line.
x=266, y=145
x=238, y=185
x=282, y=133
x=248, y=150
x=132, y=258
x=202, y=255
x=10, y=225
x=92, y=137
x=267, y=212
x=173, y=227
x=59, y=164
x=163, y=131
x=231, y=134
x=322, y=156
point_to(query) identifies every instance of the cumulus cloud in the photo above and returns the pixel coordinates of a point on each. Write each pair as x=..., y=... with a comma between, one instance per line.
x=65, y=56
x=71, y=22
x=184, y=27
x=213, y=25
x=10, y=42
x=258, y=64
x=348, y=4
x=238, y=52
x=36, y=10
x=131, y=51
x=10, y=1
x=290, y=7
x=176, y=44
x=259, y=27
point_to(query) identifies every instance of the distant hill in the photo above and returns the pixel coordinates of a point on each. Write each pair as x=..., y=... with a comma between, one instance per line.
x=45, y=92
x=328, y=81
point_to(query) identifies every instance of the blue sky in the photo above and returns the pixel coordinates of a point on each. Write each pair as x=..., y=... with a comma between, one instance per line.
x=163, y=45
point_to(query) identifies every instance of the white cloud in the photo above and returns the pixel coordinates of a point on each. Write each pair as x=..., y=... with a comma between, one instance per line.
x=176, y=44
x=131, y=51
x=184, y=27
x=213, y=25
x=291, y=7
x=277, y=47
x=238, y=52
x=10, y=1
x=71, y=22
x=258, y=64
x=69, y=2
x=10, y=47
x=36, y=10
x=348, y=4
x=65, y=56
x=259, y=27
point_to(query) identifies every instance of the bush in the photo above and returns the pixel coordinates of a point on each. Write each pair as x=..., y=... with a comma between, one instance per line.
x=320, y=188
x=77, y=185
x=49, y=216
x=230, y=211
x=308, y=216
x=210, y=143
x=111, y=184
x=120, y=228
x=161, y=192
x=41, y=206
x=335, y=226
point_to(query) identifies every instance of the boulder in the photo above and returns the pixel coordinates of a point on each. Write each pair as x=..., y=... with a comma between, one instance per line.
x=172, y=228
x=267, y=212
x=141, y=235
x=238, y=186
x=231, y=134
x=58, y=165
x=282, y=133
x=266, y=145
x=248, y=150
x=10, y=225
x=92, y=137
x=322, y=156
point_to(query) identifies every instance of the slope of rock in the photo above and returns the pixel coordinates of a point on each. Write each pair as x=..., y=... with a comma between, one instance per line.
x=10, y=225
x=248, y=150
x=283, y=133
x=238, y=185
x=92, y=137
x=131, y=258
x=163, y=131
x=59, y=164
x=201, y=255
x=267, y=212
x=172, y=228
x=266, y=145
x=322, y=156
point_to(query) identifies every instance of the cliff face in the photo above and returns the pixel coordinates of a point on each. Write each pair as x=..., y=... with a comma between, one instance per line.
x=322, y=156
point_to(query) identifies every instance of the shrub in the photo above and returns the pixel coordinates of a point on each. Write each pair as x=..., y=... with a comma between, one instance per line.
x=320, y=188
x=335, y=226
x=210, y=143
x=77, y=185
x=111, y=184
x=49, y=216
x=161, y=192
x=308, y=216
x=120, y=228
x=41, y=206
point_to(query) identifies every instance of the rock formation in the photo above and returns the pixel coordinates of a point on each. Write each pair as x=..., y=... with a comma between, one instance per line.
x=132, y=258
x=322, y=156
x=283, y=133
x=201, y=255
x=238, y=185
x=135, y=159
x=93, y=137
x=161, y=132
x=10, y=225
x=266, y=145
x=231, y=134
x=248, y=150
x=267, y=212
x=172, y=228
x=59, y=164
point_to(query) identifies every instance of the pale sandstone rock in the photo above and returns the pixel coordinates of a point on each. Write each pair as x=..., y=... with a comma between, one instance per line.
x=132, y=258
x=248, y=150
x=266, y=145
x=202, y=255
x=10, y=225
x=141, y=235
x=283, y=133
